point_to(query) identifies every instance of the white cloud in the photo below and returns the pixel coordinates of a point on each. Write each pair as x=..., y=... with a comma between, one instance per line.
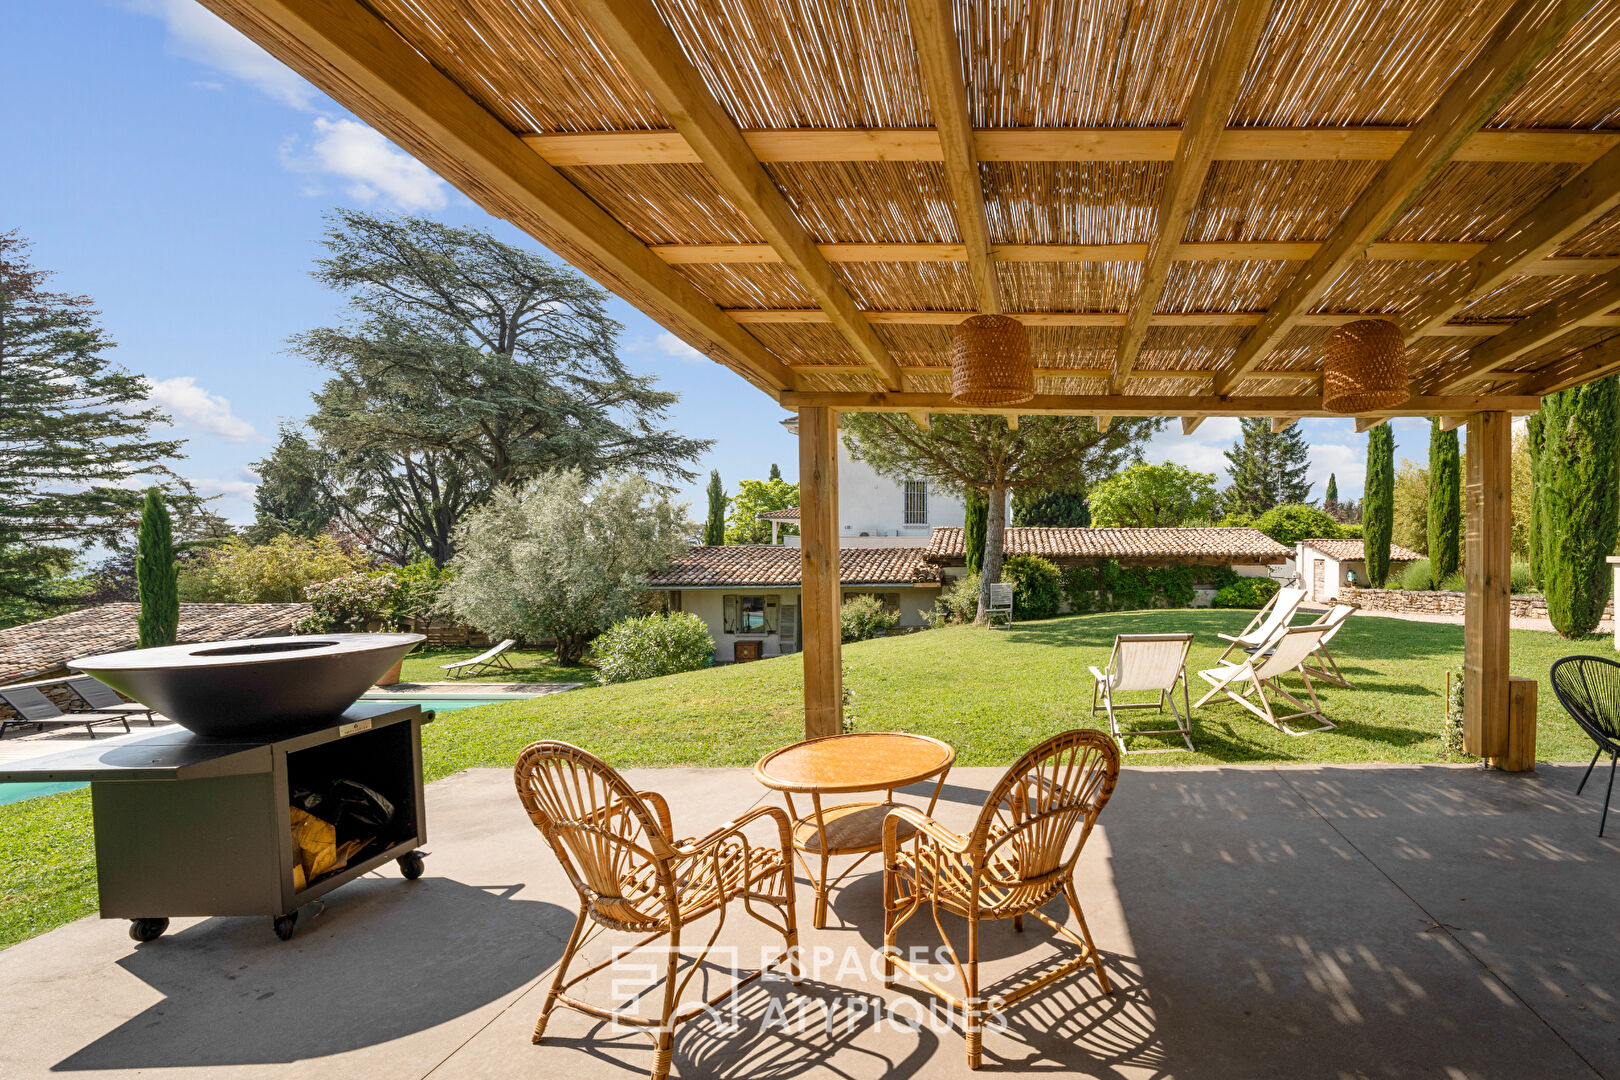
x=1347, y=464
x=240, y=489
x=372, y=167
x=192, y=406
x=670, y=345
x=1203, y=450
x=198, y=34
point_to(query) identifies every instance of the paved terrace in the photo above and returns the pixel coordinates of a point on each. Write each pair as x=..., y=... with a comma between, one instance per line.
x=1313, y=921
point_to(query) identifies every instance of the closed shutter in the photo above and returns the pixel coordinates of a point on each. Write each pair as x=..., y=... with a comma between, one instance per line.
x=728, y=621
x=891, y=603
x=770, y=614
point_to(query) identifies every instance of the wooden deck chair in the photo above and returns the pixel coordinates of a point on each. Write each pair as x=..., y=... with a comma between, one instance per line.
x=1001, y=604
x=618, y=849
x=1020, y=855
x=1265, y=624
x=1264, y=670
x=1144, y=662
x=1324, y=667
x=35, y=708
x=99, y=697
x=489, y=660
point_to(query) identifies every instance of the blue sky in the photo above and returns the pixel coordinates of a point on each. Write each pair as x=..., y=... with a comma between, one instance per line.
x=168, y=168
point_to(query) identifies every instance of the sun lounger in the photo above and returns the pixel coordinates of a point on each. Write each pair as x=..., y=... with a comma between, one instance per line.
x=104, y=699
x=1324, y=668
x=1145, y=662
x=1264, y=670
x=490, y=660
x=1266, y=624
x=35, y=708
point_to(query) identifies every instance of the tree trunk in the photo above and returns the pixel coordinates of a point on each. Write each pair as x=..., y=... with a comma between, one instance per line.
x=570, y=649
x=995, y=537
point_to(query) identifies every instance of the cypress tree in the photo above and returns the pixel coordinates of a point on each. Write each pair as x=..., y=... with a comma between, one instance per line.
x=1580, y=490
x=714, y=530
x=973, y=529
x=157, y=575
x=1537, y=434
x=1330, y=497
x=1378, y=503
x=776, y=473
x=1445, y=509
x=1268, y=468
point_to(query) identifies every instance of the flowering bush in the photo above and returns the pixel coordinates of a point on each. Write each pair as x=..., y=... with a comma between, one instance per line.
x=1246, y=592
x=864, y=617
x=347, y=604
x=652, y=645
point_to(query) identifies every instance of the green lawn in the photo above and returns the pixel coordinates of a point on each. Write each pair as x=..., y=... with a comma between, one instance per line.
x=530, y=665
x=989, y=694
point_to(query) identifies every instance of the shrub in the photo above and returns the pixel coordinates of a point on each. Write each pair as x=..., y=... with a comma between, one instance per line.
x=1519, y=578
x=1419, y=574
x=1109, y=587
x=418, y=592
x=1454, y=581
x=864, y=617
x=281, y=571
x=1037, y=586
x=652, y=645
x=1349, y=532
x=1290, y=524
x=1246, y=592
x=349, y=603
x=957, y=604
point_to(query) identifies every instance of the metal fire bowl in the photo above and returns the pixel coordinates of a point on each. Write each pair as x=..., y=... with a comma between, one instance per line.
x=256, y=688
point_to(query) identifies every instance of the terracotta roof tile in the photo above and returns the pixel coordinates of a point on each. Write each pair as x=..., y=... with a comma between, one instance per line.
x=1218, y=543
x=767, y=564
x=1356, y=549
x=790, y=514
x=37, y=648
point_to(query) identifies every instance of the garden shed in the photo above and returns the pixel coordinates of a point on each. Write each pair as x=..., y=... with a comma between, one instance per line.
x=1326, y=565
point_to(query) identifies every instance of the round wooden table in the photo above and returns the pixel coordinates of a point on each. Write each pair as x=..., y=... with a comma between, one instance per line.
x=841, y=764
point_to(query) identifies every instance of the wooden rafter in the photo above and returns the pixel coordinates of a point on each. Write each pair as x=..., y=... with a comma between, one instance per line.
x=638, y=38
x=1069, y=144
x=348, y=52
x=1521, y=39
x=1367, y=423
x=1536, y=234
x=1592, y=362
x=1113, y=318
x=1550, y=322
x=1189, y=424
x=1219, y=80
x=939, y=56
x=1452, y=423
x=1153, y=404
x=1280, y=424
x=1057, y=372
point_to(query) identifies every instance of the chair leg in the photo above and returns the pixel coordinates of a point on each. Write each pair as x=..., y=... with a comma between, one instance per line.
x=1582, y=785
x=1604, y=820
x=1085, y=932
x=1018, y=923
x=558, y=979
x=889, y=914
x=973, y=1021
x=664, y=1037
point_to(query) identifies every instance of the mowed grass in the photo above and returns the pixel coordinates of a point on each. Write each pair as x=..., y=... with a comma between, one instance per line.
x=529, y=666
x=991, y=694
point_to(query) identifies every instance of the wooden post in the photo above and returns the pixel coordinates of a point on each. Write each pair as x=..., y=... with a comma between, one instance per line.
x=1521, y=748
x=1485, y=619
x=819, y=589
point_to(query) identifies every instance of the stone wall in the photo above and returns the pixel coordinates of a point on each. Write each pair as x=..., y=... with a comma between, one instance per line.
x=1442, y=602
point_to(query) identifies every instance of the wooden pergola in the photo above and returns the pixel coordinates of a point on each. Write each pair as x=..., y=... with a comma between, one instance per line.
x=1180, y=198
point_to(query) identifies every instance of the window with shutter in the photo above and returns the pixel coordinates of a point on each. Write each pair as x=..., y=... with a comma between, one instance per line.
x=916, y=508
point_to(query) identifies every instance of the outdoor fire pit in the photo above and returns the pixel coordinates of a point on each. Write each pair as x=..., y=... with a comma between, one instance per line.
x=260, y=687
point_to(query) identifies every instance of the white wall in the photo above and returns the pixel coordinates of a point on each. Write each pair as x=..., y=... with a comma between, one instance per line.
x=709, y=605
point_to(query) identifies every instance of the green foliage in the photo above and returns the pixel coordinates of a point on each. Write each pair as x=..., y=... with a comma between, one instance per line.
x=1351, y=532
x=1268, y=468
x=280, y=571
x=1106, y=586
x=648, y=646
x=1290, y=524
x=1454, y=581
x=1520, y=579
x=976, y=517
x=1330, y=494
x=156, y=576
x=562, y=557
x=293, y=493
x=419, y=585
x=1037, y=586
x=1378, y=508
x=1535, y=546
x=1065, y=508
x=1445, y=501
x=1410, y=506
x=1232, y=520
x=348, y=604
x=714, y=527
x=864, y=617
x=1417, y=574
x=755, y=497
x=1580, y=493
x=1246, y=592
x=1147, y=496
x=958, y=604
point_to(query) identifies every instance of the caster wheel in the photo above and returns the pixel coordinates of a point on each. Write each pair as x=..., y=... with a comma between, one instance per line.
x=410, y=864
x=147, y=929
x=284, y=925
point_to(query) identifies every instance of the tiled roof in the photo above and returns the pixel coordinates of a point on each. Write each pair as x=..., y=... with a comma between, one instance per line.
x=790, y=514
x=1355, y=549
x=768, y=564
x=37, y=648
x=1189, y=543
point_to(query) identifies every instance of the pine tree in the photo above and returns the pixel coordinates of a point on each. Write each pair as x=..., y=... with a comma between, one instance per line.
x=1445, y=507
x=776, y=473
x=157, y=575
x=1268, y=468
x=1580, y=490
x=1330, y=497
x=977, y=516
x=1378, y=503
x=714, y=530
x=1066, y=507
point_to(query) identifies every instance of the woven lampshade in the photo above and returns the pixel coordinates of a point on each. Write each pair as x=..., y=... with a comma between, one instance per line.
x=990, y=362
x=1364, y=367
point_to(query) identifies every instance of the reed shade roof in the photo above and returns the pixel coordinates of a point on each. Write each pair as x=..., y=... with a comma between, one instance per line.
x=990, y=362
x=1364, y=367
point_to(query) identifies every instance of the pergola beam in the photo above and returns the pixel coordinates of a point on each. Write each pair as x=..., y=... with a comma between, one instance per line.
x=1367, y=423
x=1189, y=424
x=1549, y=323
x=640, y=40
x=1593, y=362
x=1280, y=424
x=1112, y=318
x=1068, y=144
x=1521, y=39
x=939, y=56
x=1059, y=372
x=360, y=60
x=1296, y=405
x=1220, y=77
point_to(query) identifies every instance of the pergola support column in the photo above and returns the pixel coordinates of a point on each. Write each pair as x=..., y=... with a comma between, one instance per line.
x=1487, y=574
x=820, y=594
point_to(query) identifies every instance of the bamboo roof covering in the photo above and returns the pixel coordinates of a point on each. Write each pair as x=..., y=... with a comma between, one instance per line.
x=1180, y=198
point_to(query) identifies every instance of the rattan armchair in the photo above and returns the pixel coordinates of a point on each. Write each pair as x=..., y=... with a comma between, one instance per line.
x=616, y=846
x=1019, y=856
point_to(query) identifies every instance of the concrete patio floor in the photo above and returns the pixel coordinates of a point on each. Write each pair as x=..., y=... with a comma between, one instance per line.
x=1378, y=921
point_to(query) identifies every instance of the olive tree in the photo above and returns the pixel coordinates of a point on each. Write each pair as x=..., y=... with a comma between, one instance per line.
x=562, y=557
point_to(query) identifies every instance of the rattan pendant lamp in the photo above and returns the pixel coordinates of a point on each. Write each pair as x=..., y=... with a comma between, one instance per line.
x=1364, y=367
x=990, y=362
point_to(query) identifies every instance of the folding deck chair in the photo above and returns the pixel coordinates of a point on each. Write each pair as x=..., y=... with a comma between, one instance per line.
x=104, y=699
x=35, y=708
x=1143, y=662
x=1265, y=624
x=1001, y=603
x=1286, y=653
x=489, y=660
x=1324, y=668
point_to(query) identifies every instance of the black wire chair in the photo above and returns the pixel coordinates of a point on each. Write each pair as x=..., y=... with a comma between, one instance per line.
x=1589, y=689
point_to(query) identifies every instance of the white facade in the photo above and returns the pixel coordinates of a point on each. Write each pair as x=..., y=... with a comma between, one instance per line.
x=784, y=627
